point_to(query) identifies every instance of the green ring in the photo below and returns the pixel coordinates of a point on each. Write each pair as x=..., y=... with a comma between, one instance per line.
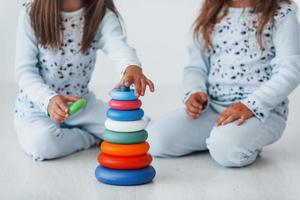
x=125, y=137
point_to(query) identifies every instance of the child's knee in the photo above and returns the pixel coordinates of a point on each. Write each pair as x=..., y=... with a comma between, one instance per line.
x=229, y=151
x=43, y=144
x=160, y=142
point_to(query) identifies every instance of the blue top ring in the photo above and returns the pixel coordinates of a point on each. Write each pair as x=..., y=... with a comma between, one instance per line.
x=125, y=115
x=120, y=95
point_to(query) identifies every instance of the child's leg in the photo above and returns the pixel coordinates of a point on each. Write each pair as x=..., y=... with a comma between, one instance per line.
x=92, y=117
x=43, y=139
x=176, y=134
x=237, y=146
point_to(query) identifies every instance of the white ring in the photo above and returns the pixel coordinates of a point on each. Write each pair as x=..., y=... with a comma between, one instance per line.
x=123, y=126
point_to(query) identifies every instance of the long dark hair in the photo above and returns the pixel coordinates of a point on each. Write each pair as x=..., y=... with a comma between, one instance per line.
x=210, y=15
x=46, y=21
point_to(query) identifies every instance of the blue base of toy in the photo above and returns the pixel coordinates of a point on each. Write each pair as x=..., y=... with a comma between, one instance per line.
x=125, y=115
x=122, y=95
x=125, y=177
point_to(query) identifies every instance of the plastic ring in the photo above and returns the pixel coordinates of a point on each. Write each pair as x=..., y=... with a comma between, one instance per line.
x=125, y=115
x=125, y=150
x=125, y=138
x=125, y=163
x=125, y=105
x=131, y=126
x=117, y=94
x=125, y=177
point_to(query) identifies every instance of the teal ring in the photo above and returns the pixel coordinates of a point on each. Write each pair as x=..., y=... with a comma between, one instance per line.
x=125, y=137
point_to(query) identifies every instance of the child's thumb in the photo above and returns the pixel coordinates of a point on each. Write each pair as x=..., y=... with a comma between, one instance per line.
x=71, y=98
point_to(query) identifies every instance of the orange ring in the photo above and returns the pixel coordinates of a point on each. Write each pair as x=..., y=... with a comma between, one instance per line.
x=125, y=163
x=124, y=150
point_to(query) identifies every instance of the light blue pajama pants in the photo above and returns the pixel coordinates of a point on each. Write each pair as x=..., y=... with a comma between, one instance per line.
x=231, y=146
x=173, y=135
x=43, y=139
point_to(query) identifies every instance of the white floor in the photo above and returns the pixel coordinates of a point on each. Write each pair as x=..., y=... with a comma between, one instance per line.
x=275, y=176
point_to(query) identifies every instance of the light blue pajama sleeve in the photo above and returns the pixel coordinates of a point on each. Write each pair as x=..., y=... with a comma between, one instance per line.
x=113, y=42
x=286, y=70
x=26, y=70
x=195, y=74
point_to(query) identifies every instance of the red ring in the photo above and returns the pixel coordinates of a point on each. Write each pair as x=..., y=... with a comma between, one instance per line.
x=125, y=105
x=125, y=163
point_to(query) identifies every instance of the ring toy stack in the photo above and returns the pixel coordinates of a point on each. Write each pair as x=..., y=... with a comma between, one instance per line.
x=124, y=158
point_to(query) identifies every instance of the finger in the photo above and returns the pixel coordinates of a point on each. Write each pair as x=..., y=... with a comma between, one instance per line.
x=151, y=85
x=203, y=97
x=60, y=113
x=195, y=103
x=143, y=86
x=57, y=118
x=193, y=115
x=193, y=109
x=70, y=98
x=242, y=120
x=137, y=86
x=221, y=119
x=128, y=81
x=230, y=119
x=61, y=105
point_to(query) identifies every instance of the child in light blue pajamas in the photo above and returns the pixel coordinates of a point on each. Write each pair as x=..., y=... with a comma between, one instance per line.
x=245, y=82
x=55, y=58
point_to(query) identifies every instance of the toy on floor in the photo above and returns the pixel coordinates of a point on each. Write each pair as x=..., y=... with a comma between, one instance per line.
x=76, y=106
x=124, y=158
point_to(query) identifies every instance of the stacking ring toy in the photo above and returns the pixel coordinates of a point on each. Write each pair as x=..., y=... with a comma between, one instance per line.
x=77, y=106
x=125, y=115
x=130, y=126
x=125, y=105
x=120, y=95
x=123, y=150
x=124, y=88
x=124, y=163
x=125, y=137
x=125, y=178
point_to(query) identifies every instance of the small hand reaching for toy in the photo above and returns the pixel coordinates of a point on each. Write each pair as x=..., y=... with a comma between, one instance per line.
x=236, y=112
x=134, y=75
x=196, y=104
x=58, y=108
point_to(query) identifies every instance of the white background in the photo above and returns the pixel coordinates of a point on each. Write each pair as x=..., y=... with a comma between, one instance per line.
x=158, y=29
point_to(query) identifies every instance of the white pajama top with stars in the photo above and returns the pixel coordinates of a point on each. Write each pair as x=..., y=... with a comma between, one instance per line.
x=42, y=73
x=236, y=69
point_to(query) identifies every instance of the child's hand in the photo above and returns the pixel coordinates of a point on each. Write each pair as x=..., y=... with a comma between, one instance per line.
x=196, y=104
x=235, y=112
x=58, y=109
x=134, y=75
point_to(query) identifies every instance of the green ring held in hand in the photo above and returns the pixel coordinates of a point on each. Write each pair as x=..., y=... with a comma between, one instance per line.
x=125, y=137
x=75, y=107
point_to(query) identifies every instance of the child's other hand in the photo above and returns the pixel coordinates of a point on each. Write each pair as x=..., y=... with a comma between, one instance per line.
x=235, y=112
x=196, y=104
x=134, y=75
x=58, y=108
